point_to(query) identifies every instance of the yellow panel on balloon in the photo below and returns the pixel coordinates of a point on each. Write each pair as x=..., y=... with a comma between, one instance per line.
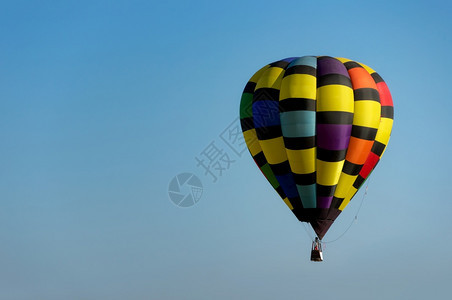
x=384, y=131
x=298, y=86
x=302, y=161
x=345, y=182
x=351, y=192
x=342, y=60
x=274, y=150
x=328, y=172
x=368, y=69
x=271, y=78
x=258, y=74
x=252, y=141
x=335, y=97
x=367, y=113
x=288, y=203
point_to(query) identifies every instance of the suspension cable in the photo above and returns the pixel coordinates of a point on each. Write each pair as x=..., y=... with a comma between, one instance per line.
x=349, y=226
x=307, y=231
x=354, y=219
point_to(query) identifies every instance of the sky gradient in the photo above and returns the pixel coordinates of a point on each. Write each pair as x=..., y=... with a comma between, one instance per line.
x=104, y=102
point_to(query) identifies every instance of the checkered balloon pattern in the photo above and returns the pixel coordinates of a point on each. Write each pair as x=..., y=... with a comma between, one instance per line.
x=316, y=127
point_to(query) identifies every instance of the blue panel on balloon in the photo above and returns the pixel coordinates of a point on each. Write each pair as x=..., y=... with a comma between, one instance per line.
x=304, y=61
x=266, y=113
x=308, y=195
x=288, y=185
x=299, y=123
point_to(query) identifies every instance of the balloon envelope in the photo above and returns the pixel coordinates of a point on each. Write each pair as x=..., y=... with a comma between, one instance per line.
x=316, y=127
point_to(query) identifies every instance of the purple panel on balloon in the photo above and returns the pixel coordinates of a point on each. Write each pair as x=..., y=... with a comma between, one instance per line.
x=333, y=136
x=324, y=202
x=329, y=65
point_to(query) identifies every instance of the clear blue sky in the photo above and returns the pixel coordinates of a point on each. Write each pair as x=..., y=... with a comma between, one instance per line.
x=104, y=102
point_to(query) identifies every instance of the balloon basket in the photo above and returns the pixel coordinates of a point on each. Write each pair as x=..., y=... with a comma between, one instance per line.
x=316, y=250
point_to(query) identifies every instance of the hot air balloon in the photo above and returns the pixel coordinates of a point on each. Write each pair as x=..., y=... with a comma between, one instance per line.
x=316, y=127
